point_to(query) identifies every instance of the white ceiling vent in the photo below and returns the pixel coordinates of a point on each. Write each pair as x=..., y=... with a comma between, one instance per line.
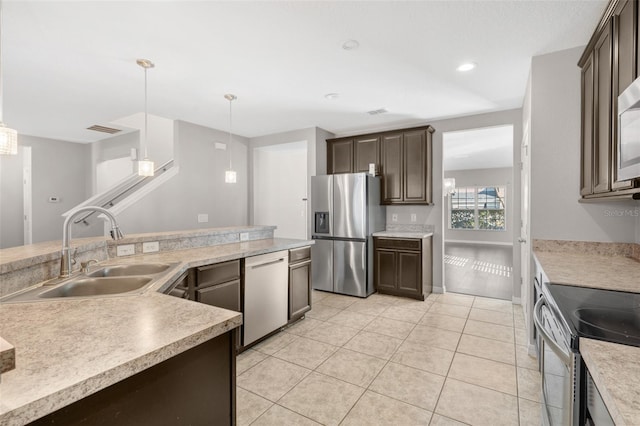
x=377, y=111
x=103, y=129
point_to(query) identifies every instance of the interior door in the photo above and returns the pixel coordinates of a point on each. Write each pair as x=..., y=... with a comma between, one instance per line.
x=525, y=228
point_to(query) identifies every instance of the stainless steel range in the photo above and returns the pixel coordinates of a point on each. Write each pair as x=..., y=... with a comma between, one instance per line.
x=562, y=316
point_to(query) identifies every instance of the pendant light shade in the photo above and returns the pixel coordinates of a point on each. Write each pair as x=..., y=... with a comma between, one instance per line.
x=145, y=166
x=8, y=137
x=230, y=175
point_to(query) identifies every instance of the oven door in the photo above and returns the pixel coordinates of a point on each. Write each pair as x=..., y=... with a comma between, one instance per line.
x=559, y=369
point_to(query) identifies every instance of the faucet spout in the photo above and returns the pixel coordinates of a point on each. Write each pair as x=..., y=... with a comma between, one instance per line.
x=66, y=260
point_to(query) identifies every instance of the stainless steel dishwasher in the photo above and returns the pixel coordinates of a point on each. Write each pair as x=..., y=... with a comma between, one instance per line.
x=266, y=294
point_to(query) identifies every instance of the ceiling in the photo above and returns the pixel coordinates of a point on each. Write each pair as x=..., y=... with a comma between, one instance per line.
x=486, y=148
x=69, y=65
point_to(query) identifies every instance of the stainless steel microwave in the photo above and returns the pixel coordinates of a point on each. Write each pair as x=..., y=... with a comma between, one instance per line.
x=629, y=132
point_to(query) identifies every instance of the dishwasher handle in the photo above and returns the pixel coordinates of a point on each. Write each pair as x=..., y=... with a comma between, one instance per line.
x=273, y=262
x=564, y=356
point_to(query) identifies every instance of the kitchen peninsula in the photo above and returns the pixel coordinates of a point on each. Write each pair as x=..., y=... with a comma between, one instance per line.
x=68, y=349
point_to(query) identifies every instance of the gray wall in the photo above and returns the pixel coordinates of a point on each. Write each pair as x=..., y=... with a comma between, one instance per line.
x=434, y=215
x=11, y=223
x=59, y=169
x=198, y=188
x=483, y=177
x=555, y=159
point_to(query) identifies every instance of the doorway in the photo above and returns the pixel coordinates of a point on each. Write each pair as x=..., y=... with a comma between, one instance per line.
x=280, y=188
x=479, y=222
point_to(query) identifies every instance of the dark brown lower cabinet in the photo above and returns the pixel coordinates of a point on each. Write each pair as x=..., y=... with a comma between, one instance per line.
x=403, y=267
x=196, y=387
x=299, y=282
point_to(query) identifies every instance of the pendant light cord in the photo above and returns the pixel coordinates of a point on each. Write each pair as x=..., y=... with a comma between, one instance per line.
x=1, y=75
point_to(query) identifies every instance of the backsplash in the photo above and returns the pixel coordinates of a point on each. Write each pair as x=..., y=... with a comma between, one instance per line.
x=588, y=247
x=409, y=227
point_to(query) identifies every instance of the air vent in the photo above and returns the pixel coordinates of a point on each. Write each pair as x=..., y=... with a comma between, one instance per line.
x=377, y=111
x=103, y=129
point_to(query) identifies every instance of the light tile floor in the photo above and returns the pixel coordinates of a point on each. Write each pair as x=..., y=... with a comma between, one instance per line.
x=452, y=359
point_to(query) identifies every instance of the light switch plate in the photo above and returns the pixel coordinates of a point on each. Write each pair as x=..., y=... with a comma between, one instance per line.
x=394, y=217
x=244, y=236
x=413, y=217
x=203, y=218
x=150, y=247
x=125, y=250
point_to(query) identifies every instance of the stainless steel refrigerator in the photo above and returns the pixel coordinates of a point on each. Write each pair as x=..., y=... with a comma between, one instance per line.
x=346, y=211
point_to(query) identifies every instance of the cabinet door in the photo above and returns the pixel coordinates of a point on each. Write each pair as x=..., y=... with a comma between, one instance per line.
x=409, y=277
x=624, y=60
x=299, y=289
x=415, y=167
x=391, y=150
x=385, y=269
x=340, y=156
x=586, y=163
x=225, y=296
x=602, y=109
x=367, y=150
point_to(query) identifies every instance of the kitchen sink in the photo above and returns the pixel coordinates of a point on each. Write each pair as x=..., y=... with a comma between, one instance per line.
x=133, y=269
x=96, y=286
x=111, y=280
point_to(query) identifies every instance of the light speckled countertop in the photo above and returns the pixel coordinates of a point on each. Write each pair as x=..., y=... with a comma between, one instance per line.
x=615, y=368
x=616, y=372
x=7, y=356
x=402, y=234
x=591, y=270
x=68, y=349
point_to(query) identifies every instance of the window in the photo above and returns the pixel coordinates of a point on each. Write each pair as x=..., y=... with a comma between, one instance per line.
x=478, y=208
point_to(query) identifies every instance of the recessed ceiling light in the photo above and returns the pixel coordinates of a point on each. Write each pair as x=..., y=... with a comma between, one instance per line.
x=467, y=66
x=350, y=45
x=332, y=95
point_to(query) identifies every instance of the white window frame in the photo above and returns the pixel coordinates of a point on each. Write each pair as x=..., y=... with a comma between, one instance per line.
x=476, y=210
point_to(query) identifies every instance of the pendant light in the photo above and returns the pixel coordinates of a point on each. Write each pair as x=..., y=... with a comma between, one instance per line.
x=230, y=175
x=145, y=166
x=8, y=137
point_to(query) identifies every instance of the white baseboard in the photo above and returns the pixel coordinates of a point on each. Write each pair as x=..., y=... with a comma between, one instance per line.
x=481, y=243
x=437, y=290
x=516, y=300
x=532, y=350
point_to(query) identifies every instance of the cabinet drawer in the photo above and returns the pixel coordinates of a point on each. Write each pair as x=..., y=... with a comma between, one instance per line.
x=225, y=296
x=299, y=254
x=397, y=243
x=218, y=273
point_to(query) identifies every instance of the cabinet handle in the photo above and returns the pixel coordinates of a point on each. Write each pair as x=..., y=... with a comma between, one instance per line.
x=267, y=263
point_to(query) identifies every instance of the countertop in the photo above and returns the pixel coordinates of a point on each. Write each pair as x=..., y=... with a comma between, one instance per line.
x=68, y=349
x=616, y=372
x=402, y=234
x=591, y=270
x=7, y=356
x=615, y=368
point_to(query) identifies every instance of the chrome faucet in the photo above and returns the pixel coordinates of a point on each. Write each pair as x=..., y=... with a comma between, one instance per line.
x=66, y=260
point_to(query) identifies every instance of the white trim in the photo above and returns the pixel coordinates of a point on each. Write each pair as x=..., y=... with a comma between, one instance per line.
x=483, y=243
x=532, y=350
x=437, y=290
x=516, y=301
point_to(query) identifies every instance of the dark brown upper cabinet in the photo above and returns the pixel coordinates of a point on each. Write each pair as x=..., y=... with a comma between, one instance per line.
x=402, y=158
x=609, y=65
x=339, y=156
x=367, y=151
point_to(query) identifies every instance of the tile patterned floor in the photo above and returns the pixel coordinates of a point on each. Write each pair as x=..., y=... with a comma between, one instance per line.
x=451, y=360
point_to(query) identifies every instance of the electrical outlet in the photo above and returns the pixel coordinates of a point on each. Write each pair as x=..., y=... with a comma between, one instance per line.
x=151, y=247
x=125, y=250
x=203, y=218
x=244, y=236
x=413, y=217
x=394, y=217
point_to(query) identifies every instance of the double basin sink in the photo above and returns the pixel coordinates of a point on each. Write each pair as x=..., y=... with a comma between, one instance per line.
x=108, y=280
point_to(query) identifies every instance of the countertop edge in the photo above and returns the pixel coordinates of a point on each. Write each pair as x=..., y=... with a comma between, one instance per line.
x=402, y=234
x=7, y=356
